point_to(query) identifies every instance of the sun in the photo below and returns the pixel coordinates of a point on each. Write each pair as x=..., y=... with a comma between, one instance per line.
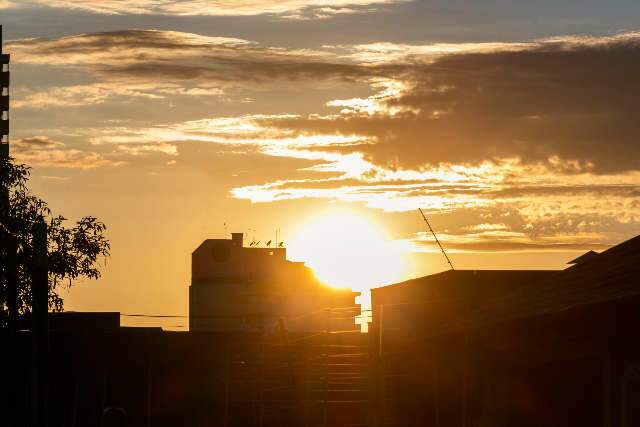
x=346, y=250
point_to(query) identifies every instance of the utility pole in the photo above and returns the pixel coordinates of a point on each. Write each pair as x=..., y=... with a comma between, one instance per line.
x=40, y=325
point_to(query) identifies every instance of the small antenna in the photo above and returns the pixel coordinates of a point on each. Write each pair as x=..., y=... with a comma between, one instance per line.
x=436, y=237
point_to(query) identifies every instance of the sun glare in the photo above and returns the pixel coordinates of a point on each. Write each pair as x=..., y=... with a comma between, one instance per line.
x=347, y=251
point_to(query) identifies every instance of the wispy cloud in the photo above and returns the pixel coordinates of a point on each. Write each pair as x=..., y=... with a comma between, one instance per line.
x=533, y=199
x=321, y=8
x=158, y=64
x=100, y=93
x=510, y=241
x=44, y=152
x=141, y=149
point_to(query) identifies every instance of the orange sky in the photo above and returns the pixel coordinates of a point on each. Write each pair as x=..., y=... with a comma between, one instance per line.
x=168, y=121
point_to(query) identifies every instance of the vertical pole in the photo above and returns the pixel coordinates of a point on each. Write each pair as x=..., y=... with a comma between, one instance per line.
x=40, y=326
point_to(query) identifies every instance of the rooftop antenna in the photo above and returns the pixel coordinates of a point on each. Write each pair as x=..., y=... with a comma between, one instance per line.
x=436, y=237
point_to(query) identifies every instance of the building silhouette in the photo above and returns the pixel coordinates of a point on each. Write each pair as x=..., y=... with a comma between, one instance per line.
x=504, y=348
x=240, y=288
x=4, y=100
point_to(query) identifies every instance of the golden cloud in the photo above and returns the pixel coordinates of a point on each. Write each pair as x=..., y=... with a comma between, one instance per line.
x=287, y=8
x=44, y=152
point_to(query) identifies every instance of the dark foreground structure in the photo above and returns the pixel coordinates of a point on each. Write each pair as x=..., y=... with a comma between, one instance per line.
x=101, y=374
x=458, y=348
x=513, y=348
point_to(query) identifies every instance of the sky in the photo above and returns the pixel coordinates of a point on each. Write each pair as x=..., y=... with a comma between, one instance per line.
x=512, y=124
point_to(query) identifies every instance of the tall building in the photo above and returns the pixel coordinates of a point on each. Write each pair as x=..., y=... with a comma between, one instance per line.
x=4, y=99
x=239, y=288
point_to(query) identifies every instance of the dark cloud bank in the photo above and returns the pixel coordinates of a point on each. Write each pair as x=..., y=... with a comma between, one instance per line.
x=575, y=99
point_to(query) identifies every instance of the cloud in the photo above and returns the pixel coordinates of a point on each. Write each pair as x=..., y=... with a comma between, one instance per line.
x=73, y=96
x=537, y=140
x=140, y=149
x=247, y=131
x=322, y=8
x=44, y=152
x=158, y=64
x=533, y=199
x=99, y=93
x=509, y=241
x=565, y=101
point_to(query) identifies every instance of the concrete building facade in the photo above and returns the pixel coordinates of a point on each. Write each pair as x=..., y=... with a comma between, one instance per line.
x=239, y=288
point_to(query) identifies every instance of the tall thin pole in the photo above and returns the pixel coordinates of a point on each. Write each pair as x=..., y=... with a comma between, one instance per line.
x=436, y=237
x=40, y=326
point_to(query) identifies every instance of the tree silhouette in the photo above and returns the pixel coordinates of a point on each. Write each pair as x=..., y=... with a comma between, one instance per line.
x=73, y=252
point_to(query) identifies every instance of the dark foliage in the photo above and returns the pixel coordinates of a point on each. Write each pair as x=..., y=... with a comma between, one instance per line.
x=74, y=252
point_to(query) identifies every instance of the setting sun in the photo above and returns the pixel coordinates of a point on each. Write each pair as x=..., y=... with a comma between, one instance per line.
x=347, y=251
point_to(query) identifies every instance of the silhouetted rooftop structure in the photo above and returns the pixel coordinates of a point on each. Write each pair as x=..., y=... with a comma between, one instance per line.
x=461, y=299
x=4, y=93
x=235, y=287
x=526, y=348
x=584, y=257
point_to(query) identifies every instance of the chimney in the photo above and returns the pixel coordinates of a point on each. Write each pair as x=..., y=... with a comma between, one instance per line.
x=237, y=239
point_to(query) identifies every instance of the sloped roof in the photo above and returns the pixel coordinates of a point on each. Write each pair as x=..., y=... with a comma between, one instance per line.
x=461, y=284
x=584, y=257
x=467, y=299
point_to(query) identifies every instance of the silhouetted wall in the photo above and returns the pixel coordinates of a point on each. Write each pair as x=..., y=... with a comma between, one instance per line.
x=236, y=288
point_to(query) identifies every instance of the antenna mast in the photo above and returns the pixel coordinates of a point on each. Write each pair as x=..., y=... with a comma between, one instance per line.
x=436, y=237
